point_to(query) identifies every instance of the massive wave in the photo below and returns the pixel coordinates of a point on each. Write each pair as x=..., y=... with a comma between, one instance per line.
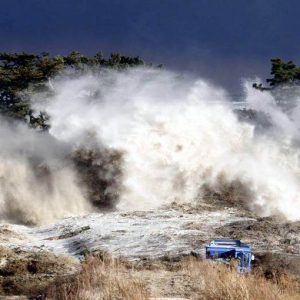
x=142, y=138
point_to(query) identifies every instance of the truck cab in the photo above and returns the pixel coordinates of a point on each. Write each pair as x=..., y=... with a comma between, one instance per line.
x=227, y=250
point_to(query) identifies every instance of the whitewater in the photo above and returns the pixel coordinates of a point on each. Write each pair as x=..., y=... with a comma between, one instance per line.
x=176, y=136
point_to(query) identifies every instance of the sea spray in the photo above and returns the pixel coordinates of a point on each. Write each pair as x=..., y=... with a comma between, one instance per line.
x=141, y=138
x=176, y=135
x=38, y=183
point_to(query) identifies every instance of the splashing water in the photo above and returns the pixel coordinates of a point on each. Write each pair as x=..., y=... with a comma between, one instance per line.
x=176, y=135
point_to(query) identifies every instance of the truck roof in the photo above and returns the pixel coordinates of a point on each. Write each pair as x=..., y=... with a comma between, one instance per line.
x=228, y=244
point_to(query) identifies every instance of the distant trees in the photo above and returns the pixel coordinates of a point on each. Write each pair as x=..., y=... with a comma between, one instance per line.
x=284, y=85
x=21, y=72
x=284, y=73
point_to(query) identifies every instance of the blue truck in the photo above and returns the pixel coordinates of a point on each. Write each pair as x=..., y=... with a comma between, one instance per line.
x=227, y=251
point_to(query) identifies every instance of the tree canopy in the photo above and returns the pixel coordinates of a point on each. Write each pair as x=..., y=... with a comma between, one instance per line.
x=284, y=73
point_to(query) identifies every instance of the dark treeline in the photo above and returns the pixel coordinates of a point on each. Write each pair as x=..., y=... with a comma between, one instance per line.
x=24, y=73
x=284, y=73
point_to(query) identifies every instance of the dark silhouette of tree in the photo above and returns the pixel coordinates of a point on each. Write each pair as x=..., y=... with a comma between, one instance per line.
x=284, y=73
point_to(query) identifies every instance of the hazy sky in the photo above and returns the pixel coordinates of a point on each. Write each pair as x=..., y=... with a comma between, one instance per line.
x=223, y=40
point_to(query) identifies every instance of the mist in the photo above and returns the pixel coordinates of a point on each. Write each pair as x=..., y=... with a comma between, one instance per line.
x=144, y=138
x=38, y=183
